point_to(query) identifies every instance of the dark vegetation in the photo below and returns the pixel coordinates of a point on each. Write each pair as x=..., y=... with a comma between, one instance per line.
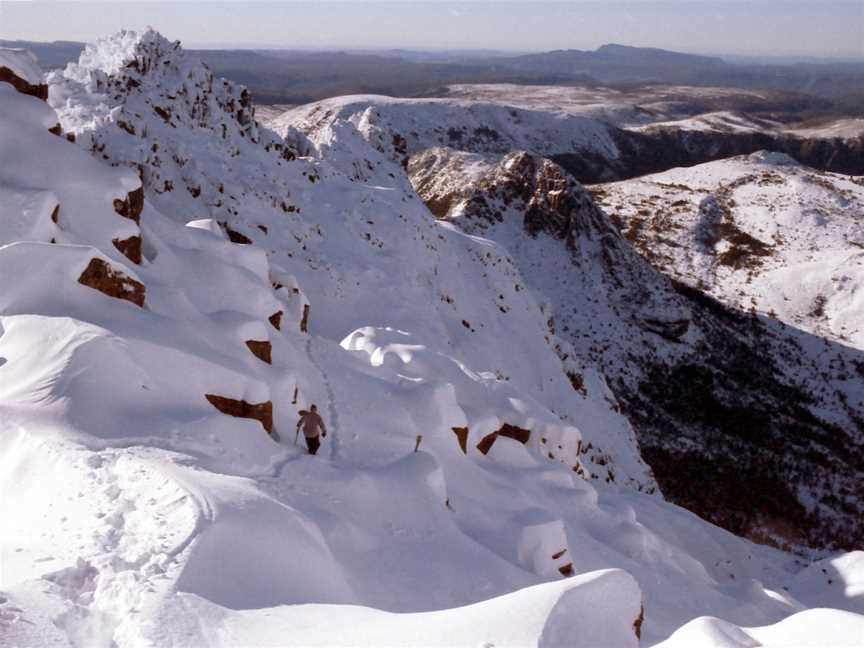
x=642, y=153
x=728, y=436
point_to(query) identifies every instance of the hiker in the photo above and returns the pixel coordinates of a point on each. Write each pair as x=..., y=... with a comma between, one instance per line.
x=313, y=425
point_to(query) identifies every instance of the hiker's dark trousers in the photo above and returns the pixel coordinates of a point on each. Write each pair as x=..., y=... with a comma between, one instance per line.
x=313, y=443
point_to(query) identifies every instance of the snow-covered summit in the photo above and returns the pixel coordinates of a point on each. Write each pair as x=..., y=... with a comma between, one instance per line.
x=148, y=74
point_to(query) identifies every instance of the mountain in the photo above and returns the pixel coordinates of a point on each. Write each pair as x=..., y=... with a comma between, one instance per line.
x=290, y=76
x=177, y=281
x=707, y=386
x=761, y=233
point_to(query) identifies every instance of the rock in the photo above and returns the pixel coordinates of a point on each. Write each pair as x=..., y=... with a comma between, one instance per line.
x=511, y=431
x=130, y=247
x=637, y=624
x=672, y=330
x=38, y=90
x=462, y=435
x=304, y=322
x=262, y=412
x=102, y=277
x=236, y=237
x=276, y=320
x=132, y=206
x=514, y=432
x=261, y=349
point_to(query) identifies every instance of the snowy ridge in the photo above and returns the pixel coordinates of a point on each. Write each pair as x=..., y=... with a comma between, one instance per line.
x=399, y=128
x=151, y=508
x=608, y=310
x=789, y=221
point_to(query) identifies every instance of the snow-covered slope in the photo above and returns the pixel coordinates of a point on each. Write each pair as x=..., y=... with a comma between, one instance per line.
x=423, y=123
x=146, y=504
x=671, y=355
x=760, y=233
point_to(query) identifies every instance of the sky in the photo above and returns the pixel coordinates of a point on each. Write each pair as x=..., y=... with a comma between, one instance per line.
x=820, y=28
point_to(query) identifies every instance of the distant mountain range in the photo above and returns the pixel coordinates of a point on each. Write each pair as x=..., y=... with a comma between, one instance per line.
x=295, y=77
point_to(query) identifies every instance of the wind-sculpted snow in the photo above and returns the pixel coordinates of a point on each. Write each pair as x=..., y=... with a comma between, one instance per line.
x=730, y=385
x=469, y=490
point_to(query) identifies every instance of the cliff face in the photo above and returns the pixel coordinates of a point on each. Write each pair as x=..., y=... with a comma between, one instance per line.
x=717, y=394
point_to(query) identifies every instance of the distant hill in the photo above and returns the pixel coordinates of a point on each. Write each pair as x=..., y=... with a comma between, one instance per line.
x=296, y=77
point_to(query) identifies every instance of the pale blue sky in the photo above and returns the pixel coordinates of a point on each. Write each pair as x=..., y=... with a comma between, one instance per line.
x=772, y=27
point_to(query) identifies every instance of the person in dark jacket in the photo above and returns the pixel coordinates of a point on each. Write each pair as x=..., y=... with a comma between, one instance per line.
x=313, y=428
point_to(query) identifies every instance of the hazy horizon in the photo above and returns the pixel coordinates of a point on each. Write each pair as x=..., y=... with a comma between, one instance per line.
x=832, y=30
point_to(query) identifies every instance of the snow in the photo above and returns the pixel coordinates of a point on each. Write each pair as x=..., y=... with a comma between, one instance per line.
x=810, y=220
x=423, y=123
x=23, y=64
x=808, y=629
x=843, y=128
x=580, y=612
x=717, y=122
x=145, y=516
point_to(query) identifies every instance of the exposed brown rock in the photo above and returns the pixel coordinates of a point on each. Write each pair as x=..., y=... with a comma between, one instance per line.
x=566, y=570
x=126, y=126
x=558, y=554
x=40, y=91
x=486, y=442
x=462, y=435
x=672, y=330
x=164, y=113
x=578, y=382
x=56, y=129
x=55, y=215
x=236, y=237
x=130, y=247
x=261, y=349
x=276, y=320
x=261, y=412
x=637, y=624
x=510, y=431
x=102, y=277
x=304, y=322
x=132, y=206
x=514, y=432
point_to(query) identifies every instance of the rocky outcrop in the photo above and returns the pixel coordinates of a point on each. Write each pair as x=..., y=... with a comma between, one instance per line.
x=261, y=412
x=102, y=277
x=131, y=206
x=38, y=90
x=715, y=395
x=130, y=248
x=276, y=320
x=304, y=321
x=234, y=236
x=548, y=199
x=637, y=624
x=462, y=437
x=506, y=430
x=261, y=349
